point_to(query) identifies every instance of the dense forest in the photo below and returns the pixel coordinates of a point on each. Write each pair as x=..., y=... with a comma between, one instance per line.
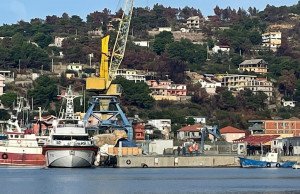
x=25, y=45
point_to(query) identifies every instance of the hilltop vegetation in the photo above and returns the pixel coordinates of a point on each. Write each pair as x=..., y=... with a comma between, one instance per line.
x=26, y=46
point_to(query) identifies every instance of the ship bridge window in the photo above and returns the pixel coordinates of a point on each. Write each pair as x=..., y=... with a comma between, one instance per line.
x=16, y=136
x=67, y=137
x=22, y=136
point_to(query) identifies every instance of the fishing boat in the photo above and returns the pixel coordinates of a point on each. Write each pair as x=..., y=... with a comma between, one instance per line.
x=21, y=147
x=269, y=161
x=69, y=144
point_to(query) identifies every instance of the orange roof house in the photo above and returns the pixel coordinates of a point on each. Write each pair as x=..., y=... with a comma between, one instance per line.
x=231, y=133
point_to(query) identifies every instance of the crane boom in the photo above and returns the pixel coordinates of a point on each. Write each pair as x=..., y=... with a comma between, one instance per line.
x=120, y=43
x=107, y=74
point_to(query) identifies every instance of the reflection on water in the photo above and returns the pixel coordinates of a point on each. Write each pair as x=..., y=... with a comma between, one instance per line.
x=149, y=180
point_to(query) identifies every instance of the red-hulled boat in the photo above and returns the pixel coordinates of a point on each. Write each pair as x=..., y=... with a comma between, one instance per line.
x=21, y=147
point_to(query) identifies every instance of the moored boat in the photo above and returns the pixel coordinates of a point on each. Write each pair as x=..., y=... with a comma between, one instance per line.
x=296, y=166
x=69, y=144
x=269, y=161
x=21, y=148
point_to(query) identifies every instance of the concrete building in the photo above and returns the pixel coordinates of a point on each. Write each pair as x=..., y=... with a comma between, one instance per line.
x=75, y=67
x=2, y=85
x=221, y=49
x=261, y=85
x=197, y=119
x=210, y=83
x=131, y=74
x=193, y=22
x=256, y=65
x=142, y=43
x=164, y=125
x=287, y=126
x=190, y=132
x=231, y=133
x=235, y=82
x=161, y=29
x=271, y=40
x=8, y=75
x=159, y=146
x=58, y=41
x=289, y=103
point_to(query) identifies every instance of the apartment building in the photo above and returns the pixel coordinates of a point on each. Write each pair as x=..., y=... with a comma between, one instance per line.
x=271, y=40
x=131, y=74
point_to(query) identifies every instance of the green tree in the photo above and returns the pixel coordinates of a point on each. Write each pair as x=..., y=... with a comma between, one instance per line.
x=44, y=91
x=236, y=60
x=42, y=39
x=190, y=121
x=136, y=94
x=8, y=99
x=161, y=41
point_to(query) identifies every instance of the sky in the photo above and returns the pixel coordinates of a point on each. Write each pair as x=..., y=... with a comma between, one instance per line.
x=12, y=11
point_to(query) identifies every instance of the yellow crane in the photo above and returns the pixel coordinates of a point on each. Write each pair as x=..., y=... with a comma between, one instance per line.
x=107, y=73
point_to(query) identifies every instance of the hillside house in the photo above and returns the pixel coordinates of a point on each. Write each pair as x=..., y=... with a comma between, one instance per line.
x=190, y=132
x=163, y=125
x=131, y=74
x=75, y=67
x=221, y=49
x=255, y=65
x=161, y=29
x=197, y=119
x=289, y=103
x=139, y=130
x=142, y=43
x=8, y=75
x=193, y=22
x=231, y=133
x=210, y=83
x=166, y=90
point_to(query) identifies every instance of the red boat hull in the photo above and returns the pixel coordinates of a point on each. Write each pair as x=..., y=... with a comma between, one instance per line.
x=22, y=159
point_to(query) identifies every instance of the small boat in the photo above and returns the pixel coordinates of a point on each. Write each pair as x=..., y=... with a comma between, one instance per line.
x=69, y=145
x=296, y=166
x=269, y=161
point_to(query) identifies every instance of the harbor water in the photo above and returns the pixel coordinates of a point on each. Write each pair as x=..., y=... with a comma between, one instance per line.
x=149, y=180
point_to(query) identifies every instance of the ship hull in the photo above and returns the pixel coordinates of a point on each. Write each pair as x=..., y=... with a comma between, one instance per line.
x=249, y=163
x=70, y=157
x=21, y=156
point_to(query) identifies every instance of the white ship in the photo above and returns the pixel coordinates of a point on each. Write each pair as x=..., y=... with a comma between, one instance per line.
x=69, y=144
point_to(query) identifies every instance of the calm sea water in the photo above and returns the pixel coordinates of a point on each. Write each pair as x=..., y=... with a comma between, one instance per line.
x=149, y=180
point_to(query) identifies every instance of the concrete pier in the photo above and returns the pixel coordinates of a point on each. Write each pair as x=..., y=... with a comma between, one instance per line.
x=187, y=161
x=177, y=161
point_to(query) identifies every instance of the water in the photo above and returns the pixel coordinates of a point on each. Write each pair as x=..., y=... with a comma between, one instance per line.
x=149, y=180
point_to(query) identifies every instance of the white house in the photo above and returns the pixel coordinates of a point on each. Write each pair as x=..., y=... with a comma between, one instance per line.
x=197, y=119
x=164, y=125
x=289, y=103
x=221, y=48
x=131, y=74
x=58, y=41
x=142, y=43
x=161, y=29
x=190, y=132
x=210, y=83
x=74, y=67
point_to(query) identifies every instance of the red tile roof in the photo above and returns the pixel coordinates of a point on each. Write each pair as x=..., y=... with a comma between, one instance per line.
x=195, y=127
x=230, y=129
x=257, y=140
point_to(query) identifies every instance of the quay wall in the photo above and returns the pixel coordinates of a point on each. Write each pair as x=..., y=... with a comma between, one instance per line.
x=184, y=162
x=177, y=161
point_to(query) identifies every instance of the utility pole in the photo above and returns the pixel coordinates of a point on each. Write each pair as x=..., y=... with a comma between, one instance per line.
x=19, y=65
